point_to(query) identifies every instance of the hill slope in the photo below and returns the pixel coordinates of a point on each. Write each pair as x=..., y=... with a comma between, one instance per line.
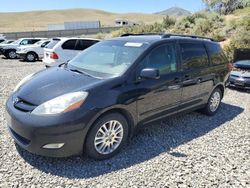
x=174, y=11
x=38, y=20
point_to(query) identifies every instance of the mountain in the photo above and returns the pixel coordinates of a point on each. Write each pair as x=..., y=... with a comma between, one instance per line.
x=39, y=20
x=174, y=11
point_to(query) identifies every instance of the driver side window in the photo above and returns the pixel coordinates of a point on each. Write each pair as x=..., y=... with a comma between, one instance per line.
x=162, y=58
x=24, y=42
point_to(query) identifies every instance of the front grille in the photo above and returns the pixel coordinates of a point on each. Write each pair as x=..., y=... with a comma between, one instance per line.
x=18, y=137
x=23, y=105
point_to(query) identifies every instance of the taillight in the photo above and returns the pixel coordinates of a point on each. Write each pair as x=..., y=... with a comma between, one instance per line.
x=54, y=56
x=230, y=67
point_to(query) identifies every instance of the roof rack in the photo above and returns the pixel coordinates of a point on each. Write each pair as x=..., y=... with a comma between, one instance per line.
x=168, y=35
x=190, y=36
x=140, y=34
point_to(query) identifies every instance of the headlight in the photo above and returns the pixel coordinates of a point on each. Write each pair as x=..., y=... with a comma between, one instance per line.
x=61, y=104
x=23, y=81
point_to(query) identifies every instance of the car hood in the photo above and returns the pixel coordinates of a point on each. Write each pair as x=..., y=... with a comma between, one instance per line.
x=244, y=64
x=240, y=73
x=9, y=46
x=53, y=82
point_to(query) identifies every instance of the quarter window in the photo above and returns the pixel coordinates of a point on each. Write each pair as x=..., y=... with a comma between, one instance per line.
x=162, y=58
x=193, y=55
x=216, y=54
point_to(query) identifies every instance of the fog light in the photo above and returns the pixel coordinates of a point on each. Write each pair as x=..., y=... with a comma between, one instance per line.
x=53, y=146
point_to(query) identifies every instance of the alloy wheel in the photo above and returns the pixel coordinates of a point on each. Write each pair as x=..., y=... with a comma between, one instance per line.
x=108, y=137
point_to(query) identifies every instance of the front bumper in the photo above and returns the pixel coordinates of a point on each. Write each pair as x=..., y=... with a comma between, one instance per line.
x=32, y=132
x=239, y=82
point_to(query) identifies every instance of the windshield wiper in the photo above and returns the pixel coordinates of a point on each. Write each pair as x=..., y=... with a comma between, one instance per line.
x=75, y=70
x=80, y=72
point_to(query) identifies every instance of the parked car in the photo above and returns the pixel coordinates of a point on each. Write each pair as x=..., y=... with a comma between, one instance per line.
x=9, y=50
x=3, y=44
x=61, y=50
x=95, y=102
x=2, y=38
x=31, y=53
x=240, y=76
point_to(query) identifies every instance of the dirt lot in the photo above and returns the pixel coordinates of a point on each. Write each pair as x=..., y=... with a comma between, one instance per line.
x=190, y=150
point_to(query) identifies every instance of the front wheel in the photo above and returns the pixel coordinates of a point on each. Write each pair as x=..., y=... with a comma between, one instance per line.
x=107, y=136
x=214, y=103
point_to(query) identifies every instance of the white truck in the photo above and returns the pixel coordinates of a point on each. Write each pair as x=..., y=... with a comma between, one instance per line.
x=32, y=53
x=9, y=50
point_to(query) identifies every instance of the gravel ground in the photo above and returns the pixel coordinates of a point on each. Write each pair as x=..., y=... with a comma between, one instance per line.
x=190, y=150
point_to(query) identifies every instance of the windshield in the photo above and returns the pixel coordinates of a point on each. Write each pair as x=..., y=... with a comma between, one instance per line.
x=108, y=59
x=53, y=43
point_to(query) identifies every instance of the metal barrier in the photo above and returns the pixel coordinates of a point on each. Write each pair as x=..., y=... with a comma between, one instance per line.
x=59, y=33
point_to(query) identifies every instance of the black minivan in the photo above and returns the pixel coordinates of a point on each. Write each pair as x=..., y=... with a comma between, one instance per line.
x=95, y=102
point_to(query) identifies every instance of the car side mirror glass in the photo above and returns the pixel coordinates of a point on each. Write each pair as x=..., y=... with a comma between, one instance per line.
x=150, y=73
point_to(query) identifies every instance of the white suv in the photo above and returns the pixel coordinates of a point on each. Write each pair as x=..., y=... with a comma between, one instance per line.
x=31, y=53
x=61, y=50
x=9, y=50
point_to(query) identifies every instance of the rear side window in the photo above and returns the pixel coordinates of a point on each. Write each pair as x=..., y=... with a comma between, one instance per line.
x=193, y=55
x=33, y=41
x=216, y=54
x=84, y=44
x=53, y=43
x=69, y=45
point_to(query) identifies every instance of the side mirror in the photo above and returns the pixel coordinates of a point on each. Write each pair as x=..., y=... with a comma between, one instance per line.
x=150, y=73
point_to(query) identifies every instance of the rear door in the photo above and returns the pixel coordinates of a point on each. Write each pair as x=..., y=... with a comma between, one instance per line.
x=197, y=78
x=69, y=50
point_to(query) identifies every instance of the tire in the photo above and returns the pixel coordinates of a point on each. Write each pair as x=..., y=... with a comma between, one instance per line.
x=98, y=146
x=30, y=57
x=11, y=54
x=214, y=103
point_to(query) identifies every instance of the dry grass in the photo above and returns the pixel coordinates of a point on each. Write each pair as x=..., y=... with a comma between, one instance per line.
x=38, y=20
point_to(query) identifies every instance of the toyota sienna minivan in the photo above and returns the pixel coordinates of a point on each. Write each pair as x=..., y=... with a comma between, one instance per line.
x=95, y=102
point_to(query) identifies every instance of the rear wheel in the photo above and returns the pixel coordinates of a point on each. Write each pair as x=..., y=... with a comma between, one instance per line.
x=30, y=57
x=107, y=136
x=214, y=103
x=11, y=54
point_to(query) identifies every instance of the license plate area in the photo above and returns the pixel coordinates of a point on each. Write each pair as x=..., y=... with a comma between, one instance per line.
x=239, y=82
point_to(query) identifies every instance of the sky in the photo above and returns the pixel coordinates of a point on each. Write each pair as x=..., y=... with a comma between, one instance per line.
x=118, y=6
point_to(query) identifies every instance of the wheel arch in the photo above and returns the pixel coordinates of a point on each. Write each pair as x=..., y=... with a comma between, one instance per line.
x=125, y=113
x=221, y=87
x=33, y=52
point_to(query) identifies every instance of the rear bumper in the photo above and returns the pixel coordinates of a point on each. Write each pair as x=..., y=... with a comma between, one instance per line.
x=51, y=63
